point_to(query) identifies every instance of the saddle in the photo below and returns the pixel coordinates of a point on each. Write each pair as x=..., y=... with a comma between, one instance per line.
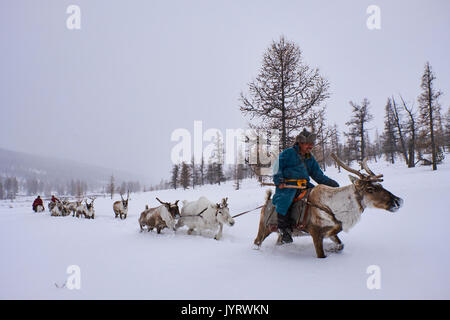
x=298, y=211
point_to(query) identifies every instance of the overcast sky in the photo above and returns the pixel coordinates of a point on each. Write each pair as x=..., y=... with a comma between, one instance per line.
x=112, y=92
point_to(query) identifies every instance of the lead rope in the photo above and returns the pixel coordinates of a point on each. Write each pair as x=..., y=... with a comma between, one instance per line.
x=240, y=214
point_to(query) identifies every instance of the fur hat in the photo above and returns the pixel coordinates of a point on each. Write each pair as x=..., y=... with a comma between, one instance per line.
x=306, y=137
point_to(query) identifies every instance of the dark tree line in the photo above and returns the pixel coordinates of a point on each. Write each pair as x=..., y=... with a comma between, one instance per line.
x=31, y=186
x=182, y=175
x=9, y=188
x=131, y=186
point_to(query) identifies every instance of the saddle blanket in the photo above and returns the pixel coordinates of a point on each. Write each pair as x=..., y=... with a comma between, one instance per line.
x=296, y=211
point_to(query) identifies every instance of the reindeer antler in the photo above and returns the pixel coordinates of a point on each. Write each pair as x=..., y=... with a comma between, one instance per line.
x=366, y=167
x=165, y=203
x=343, y=165
x=371, y=177
x=224, y=201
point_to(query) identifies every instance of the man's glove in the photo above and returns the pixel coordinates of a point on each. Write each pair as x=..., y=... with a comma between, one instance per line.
x=333, y=183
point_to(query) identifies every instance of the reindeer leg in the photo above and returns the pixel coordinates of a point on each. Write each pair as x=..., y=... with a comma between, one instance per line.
x=339, y=245
x=261, y=236
x=332, y=234
x=317, y=236
x=279, y=239
x=179, y=224
x=263, y=232
x=219, y=234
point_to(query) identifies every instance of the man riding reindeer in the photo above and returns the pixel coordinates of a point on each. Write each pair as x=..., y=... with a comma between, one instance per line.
x=295, y=167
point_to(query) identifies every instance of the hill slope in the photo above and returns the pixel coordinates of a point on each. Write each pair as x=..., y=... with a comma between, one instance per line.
x=24, y=165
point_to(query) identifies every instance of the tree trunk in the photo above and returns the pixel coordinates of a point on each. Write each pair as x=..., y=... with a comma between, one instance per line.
x=362, y=142
x=430, y=109
x=399, y=129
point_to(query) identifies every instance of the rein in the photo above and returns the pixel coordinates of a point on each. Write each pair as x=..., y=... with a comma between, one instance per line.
x=240, y=214
x=323, y=208
x=195, y=215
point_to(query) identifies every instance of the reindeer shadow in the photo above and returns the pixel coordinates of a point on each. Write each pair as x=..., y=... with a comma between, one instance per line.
x=301, y=247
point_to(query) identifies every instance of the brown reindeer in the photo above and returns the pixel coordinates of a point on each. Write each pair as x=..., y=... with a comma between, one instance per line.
x=160, y=217
x=121, y=207
x=332, y=210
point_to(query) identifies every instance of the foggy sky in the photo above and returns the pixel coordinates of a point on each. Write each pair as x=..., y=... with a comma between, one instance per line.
x=112, y=93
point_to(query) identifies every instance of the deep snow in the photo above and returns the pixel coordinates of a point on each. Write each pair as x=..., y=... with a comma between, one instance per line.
x=118, y=262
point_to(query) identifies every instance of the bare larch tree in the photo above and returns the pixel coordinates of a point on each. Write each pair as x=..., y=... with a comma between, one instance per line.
x=357, y=126
x=429, y=108
x=412, y=131
x=284, y=91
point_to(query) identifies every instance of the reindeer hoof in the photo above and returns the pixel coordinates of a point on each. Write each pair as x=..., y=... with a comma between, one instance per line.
x=336, y=249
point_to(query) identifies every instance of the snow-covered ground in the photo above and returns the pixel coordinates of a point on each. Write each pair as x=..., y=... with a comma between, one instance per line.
x=116, y=261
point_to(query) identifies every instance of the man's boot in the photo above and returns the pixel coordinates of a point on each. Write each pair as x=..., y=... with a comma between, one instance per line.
x=284, y=227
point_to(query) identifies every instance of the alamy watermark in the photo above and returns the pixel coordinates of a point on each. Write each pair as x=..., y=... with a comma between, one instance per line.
x=373, y=22
x=73, y=22
x=236, y=146
x=374, y=280
x=73, y=280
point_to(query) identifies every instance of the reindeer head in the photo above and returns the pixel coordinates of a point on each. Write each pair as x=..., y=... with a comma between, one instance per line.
x=370, y=190
x=90, y=206
x=125, y=202
x=223, y=212
x=172, y=208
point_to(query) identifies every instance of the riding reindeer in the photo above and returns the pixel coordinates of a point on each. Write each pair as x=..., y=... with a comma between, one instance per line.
x=121, y=207
x=332, y=210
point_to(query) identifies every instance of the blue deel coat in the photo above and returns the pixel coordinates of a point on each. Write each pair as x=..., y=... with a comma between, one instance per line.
x=291, y=165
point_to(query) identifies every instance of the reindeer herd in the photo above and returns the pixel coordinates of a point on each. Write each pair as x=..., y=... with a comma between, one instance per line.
x=197, y=215
x=332, y=210
x=78, y=208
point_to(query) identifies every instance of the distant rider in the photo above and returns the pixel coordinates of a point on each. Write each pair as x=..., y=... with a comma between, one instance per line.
x=37, y=202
